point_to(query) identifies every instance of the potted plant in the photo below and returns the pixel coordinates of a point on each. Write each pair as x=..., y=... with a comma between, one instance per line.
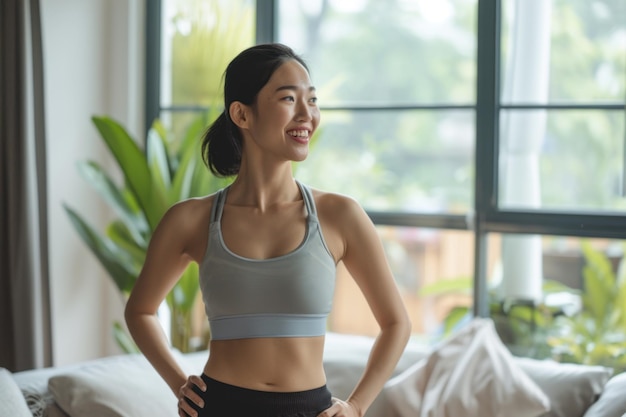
x=168, y=170
x=596, y=335
x=593, y=333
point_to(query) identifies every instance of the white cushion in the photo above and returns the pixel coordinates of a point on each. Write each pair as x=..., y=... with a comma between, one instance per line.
x=471, y=374
x=116, y=386
x=612, y=402
x=572, y=388
x=12, y=401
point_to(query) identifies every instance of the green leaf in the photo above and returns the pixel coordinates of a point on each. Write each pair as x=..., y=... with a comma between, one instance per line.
x=181, y=185
x=599, y=283
x=120, y=235
x=453, y=318
x=114, y=260
x=551, y=286
x=133, y=163
x=447, y=286
x=192, y=139
x=618, y=318
x=158, y=160
x=133, y=218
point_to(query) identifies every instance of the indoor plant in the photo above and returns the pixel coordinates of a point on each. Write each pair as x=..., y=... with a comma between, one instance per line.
x=593, y=333
x=167, y=171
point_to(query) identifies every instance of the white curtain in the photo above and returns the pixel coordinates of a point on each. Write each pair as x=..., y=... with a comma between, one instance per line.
x=25, y=325
x=526, y=81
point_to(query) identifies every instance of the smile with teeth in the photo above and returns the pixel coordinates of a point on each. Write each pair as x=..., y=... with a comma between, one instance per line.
x=299, y=133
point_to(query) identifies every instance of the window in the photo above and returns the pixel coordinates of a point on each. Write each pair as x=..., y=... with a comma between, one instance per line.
x=480, y=136
x=562, y=97
x=396, y=86
x=188, y=52
x=397, y=91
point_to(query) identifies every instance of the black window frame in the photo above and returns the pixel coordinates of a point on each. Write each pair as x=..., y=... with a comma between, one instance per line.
x=487, y=218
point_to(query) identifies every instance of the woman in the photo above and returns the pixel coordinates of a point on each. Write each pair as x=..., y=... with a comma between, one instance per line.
x=267, y=247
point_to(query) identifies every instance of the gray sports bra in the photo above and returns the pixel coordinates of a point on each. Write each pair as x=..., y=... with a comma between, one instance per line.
x=286, y=296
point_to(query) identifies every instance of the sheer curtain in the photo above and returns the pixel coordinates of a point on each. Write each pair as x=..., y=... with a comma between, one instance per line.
x=25, y=328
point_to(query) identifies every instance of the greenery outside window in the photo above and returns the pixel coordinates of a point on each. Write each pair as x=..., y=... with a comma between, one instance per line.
x=473, y=132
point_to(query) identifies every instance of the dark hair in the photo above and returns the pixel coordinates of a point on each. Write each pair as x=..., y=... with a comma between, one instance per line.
x=244, y=77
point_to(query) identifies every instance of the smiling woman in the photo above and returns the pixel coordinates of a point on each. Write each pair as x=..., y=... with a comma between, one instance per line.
x=267, y=246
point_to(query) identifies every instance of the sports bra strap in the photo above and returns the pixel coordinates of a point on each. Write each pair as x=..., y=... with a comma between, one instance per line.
x=218, y=206
x=309, y=203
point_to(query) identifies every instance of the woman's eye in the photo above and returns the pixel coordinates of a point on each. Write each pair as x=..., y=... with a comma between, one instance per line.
x=313, y=100
x=289, y=98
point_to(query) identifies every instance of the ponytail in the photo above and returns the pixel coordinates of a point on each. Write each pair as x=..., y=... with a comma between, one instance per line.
x=221, y=147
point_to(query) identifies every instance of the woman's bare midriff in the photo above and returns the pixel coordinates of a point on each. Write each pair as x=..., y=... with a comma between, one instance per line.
x=268, y=364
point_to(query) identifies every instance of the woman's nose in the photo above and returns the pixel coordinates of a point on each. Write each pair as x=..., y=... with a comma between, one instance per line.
x=303, y=111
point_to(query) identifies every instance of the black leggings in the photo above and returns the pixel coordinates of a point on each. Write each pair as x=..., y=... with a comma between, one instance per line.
x=224, y=400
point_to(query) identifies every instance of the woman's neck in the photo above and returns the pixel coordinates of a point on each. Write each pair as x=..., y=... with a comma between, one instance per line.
x=263, y=191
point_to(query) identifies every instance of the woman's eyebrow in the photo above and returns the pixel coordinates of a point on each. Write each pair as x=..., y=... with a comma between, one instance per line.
x=292, y=87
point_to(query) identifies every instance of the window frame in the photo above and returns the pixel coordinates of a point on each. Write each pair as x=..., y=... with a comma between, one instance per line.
x=487, y=217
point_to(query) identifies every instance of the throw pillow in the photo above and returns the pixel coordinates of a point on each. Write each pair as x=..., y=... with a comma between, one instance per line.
x=471, y=374
x=118, y=386
x=53, y=410
x=12, y=402
x=572, y=388
x=612, y=401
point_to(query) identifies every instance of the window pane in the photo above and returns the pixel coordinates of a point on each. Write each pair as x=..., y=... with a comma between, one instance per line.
x=563, y=51
x=415, y=161
x=433, y=270
x=578, y=313
x=409, y=51
x=199, y=38
x=562, y=160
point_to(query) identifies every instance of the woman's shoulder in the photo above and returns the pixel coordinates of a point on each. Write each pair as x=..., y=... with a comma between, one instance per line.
x=335, y=205
x=191, y=211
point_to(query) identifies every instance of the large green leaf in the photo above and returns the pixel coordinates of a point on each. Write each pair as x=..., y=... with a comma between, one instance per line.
x=116, y=262
x=133, y=163
x=462, y=285
x=618, y=318
x=454, y=317
x=599, y=284
x=181, y=184
x=133, y=218
x=192, y=138
x=120, y=235
x=158, y=161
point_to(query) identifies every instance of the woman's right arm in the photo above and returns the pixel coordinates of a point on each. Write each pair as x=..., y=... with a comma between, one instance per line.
x=166, y=259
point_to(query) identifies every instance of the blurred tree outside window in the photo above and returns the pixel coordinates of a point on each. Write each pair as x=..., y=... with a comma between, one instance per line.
x=396, y=82
x=199, y=38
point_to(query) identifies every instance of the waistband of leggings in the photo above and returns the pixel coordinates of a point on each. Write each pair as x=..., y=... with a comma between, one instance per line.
x=272, y=403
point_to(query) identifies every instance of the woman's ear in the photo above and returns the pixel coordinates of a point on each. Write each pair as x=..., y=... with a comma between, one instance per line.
x=238, y=113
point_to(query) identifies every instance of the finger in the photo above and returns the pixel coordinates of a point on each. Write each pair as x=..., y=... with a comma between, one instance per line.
x=185, y=410
x=198, y=382
x=194, y=397
x=329, y=412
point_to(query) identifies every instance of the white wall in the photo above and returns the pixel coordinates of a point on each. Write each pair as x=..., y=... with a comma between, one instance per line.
x=93, y=58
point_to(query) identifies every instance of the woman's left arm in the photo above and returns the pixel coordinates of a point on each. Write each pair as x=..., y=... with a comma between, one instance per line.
x=365, y=259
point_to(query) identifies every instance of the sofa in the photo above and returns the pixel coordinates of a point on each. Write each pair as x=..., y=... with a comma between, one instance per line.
x=468, y=374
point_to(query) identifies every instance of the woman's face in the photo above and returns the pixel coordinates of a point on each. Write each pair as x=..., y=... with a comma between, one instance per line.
x=285, y=114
